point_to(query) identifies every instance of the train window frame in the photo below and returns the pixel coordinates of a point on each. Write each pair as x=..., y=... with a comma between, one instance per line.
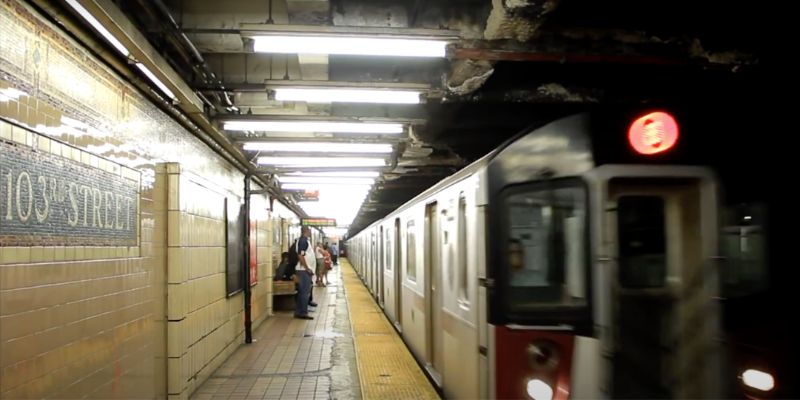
x=388, y=252
x=576, y=315
x=411, y=251
x=744, y=239
x=644, y=266
x=462, y=240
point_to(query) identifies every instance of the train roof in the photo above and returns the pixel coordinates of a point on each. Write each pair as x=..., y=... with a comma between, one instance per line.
x=571, y=145
x=461, y=174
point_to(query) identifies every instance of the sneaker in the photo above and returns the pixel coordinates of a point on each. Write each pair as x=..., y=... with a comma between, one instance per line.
x=312, y=304
x=298, y=316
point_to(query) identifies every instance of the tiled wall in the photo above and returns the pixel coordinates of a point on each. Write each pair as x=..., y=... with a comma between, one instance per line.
x=204, y=325
x=64, y=309
x=262, y=291
x=115, y=322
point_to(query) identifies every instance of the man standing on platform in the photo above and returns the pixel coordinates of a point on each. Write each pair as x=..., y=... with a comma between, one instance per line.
x=304, y=271
x=335, y=253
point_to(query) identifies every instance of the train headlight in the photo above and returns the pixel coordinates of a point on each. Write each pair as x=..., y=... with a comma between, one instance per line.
x=539, y=390
x=758, y=380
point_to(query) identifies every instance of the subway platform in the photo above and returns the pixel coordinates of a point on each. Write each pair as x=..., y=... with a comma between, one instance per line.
x=348, y=351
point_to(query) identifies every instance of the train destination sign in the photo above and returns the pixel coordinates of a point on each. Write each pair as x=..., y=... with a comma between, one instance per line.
x=51, y=200
x=317, y=222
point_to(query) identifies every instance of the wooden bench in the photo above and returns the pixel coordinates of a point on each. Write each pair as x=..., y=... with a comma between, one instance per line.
x=283, y=295
x=283, y=288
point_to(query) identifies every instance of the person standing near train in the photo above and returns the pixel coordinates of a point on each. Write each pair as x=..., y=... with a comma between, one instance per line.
x=320, y=259
x=335, y=253
x=327, y=263
x=304, y=271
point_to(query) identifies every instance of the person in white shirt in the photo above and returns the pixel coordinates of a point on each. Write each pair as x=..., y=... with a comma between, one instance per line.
x=320, y=263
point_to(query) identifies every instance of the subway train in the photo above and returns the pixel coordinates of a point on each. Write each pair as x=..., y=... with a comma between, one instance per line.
x=580, y=259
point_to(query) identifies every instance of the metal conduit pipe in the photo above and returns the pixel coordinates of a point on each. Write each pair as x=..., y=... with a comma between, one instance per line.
x=200, y=61
x=67, y=21
x=194, y=122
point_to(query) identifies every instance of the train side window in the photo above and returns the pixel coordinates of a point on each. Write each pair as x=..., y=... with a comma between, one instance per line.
x=388, y=250
x=743, y=244
x=547, y=247
x=411, y=252
x=642, y=241
x=448, y=254
x=462, y=244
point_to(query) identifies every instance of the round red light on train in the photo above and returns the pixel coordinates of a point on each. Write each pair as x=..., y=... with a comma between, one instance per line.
x=653, y=133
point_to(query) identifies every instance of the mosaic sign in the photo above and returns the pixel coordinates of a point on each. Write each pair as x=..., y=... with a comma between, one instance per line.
x=49, y=200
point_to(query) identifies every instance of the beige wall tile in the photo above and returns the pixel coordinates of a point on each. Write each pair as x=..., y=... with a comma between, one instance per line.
x=92, y=305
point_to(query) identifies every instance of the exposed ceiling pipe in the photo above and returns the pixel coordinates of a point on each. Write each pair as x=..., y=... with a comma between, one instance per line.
x=200, y=62
x=186, y=54
x=269, y=19
x=193, y=122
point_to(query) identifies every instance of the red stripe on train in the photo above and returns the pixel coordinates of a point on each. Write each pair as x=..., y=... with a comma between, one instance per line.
x=525, y=356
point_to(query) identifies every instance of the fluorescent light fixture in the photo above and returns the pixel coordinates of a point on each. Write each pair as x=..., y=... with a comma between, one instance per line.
x=322, y=161
x=327, y=180
x=314, y=126
x=348, y=95
x=98, y=26
x=367, y=46
x=73, y=122
x=334, y=231
x=312, y=186
x=344, y=210
x=326, y=147
x=350, y=174
x=155, y=80
x=9, y=94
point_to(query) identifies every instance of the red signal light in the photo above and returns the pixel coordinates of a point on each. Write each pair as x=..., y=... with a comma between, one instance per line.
x=653, y=133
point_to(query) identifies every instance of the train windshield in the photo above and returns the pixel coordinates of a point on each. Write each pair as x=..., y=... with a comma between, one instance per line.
x=546, y=249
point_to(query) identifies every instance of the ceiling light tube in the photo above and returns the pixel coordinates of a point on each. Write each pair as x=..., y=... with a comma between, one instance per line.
x=327, y=147
x=349, y=174
x=348, y=95
x=98, y=26
x=322, y=161
x=9, y=94
x=155, y=80
x=327, y=180
x=307, y=186
x=314, y=126
x=367, y=46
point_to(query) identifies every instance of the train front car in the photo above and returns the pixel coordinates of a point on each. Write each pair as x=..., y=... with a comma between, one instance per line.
x=601, y=266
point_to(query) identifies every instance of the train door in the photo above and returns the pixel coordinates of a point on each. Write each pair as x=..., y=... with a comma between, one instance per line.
x=433, y=268
x=368, y=276
x=373, y=266
x=662, y=237
x=381, y=266
x=398, y=277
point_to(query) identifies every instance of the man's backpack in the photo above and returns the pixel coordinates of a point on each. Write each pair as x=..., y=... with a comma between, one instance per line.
x=292, y=260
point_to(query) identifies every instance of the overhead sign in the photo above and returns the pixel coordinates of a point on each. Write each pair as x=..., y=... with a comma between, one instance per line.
x=317, y=222
x=303, y=194
x=309, y=195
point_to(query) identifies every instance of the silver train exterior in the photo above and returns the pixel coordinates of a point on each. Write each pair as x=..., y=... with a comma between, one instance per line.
x=564, y=264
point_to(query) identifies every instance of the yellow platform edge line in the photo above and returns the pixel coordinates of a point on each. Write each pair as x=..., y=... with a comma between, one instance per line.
x=415, y=384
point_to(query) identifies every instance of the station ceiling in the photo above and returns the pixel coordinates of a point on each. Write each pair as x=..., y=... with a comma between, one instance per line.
x=510, y=64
